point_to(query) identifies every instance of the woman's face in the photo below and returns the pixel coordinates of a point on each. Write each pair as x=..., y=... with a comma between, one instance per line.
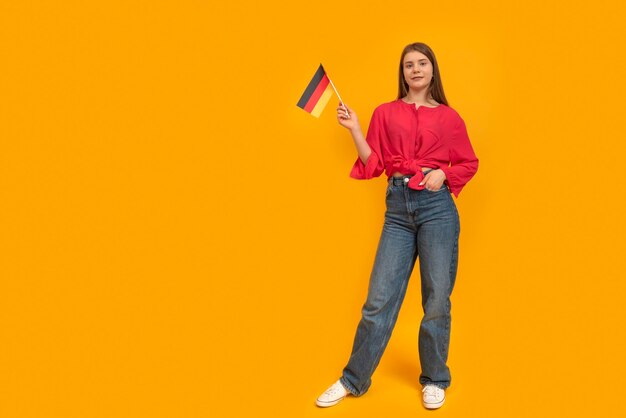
x=418, y=70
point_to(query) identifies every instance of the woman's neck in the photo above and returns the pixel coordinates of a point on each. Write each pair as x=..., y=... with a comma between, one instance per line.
x=419, y=98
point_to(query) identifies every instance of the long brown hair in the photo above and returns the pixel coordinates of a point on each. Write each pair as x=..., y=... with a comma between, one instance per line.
x=435, y=89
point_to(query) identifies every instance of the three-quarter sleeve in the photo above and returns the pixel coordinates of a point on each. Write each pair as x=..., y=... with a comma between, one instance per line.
x=376, y=135
x=463, y=160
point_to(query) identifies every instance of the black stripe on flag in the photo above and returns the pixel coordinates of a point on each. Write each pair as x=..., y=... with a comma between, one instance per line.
x=319, y=74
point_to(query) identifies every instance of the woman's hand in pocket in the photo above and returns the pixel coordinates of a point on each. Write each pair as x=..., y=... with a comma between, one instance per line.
x=433, y=180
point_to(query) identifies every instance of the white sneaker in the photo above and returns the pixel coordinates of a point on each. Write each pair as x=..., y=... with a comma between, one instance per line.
x=332, y=396
x=433, y=396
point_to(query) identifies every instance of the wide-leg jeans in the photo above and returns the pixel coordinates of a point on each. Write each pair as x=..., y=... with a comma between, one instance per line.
x=418, y=223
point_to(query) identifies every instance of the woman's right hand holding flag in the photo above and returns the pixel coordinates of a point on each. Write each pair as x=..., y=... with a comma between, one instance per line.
x=347, y=120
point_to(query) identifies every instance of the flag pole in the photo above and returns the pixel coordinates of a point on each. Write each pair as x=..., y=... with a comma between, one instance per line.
x=337, y=93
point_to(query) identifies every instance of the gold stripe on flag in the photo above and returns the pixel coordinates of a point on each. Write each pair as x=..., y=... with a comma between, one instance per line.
x=323, y=101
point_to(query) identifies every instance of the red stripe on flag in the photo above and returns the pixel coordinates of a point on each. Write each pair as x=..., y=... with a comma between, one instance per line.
x=317, y=94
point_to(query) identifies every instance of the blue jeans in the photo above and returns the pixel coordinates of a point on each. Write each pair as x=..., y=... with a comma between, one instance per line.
x=416, y=222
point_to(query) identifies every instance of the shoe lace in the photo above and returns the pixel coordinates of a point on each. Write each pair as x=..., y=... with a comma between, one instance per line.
x=430, y=390
x=333, y=390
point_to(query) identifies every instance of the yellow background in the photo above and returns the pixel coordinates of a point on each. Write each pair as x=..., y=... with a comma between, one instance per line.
x=178, y=239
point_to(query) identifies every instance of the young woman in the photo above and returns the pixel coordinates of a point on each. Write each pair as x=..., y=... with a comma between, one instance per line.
x=422, y=145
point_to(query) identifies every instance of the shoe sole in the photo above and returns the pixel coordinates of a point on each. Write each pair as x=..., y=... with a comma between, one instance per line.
x=323, y=404
x=434, y=405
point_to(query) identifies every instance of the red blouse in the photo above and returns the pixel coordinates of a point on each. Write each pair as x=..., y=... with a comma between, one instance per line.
x=405, y=139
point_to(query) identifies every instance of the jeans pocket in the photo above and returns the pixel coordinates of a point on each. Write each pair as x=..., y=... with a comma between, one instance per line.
x=442, y=188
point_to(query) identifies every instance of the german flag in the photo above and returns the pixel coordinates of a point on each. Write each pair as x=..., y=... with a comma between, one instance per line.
x=317, y=93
